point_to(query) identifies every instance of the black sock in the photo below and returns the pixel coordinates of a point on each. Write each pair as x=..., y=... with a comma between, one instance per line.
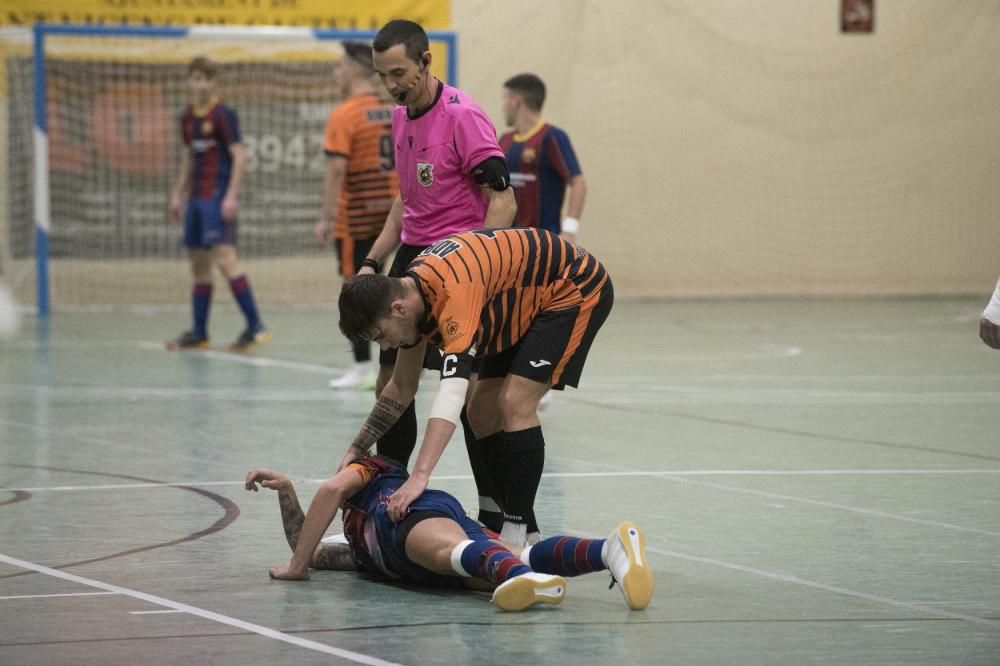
x=490, y=501
x=491, y=447
x=522, y=458
x=399, y=441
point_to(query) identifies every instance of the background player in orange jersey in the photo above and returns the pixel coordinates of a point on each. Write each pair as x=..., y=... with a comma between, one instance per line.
x=520, y=306
x=360, y=183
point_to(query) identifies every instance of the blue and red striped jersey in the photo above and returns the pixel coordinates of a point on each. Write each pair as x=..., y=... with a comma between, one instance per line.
x=209, y=132
x=541, y=163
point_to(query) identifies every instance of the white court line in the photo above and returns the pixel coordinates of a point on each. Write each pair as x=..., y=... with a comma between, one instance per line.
x=795, y=580
x=47, y=432
x=841, y=507
x=791, y=378
x=667, y=475
x=160, y=612
x=661, y=394
x=200, y=612
x=66, y=594
x=258, y=361
x=554, y=475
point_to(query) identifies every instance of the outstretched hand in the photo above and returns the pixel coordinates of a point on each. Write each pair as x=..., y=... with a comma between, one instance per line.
x=285, y=572
x=267, y=478
x=399, y=502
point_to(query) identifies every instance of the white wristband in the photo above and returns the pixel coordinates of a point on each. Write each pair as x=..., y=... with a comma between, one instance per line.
x=992, y=311
x=449, y=399
x=570, y=225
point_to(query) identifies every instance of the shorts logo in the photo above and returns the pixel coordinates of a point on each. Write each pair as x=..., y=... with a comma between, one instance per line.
x=539, y=363
x=425, y=173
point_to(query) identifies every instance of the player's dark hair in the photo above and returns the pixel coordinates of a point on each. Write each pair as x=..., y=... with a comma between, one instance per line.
x=402, y=32
x=364, y=299
x=203, y=65
x=530, y=88
x=360, y=53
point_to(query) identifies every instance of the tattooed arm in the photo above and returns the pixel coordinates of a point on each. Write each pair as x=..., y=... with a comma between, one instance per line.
x=391, y=402
x=326, y=555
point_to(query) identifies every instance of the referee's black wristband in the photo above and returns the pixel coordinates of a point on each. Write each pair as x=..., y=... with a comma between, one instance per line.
x=372, y=264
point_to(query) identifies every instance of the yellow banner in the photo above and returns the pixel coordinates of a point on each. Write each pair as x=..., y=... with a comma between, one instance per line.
x=341, y=14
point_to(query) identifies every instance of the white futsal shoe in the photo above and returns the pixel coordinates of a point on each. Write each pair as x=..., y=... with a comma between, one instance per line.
x=534, y=588
x=359, y=375
x=624, y=554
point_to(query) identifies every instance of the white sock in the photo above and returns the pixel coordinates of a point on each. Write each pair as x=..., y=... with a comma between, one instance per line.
x=514, y=533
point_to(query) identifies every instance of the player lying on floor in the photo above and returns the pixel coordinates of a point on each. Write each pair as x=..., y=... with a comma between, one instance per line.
x=436, y=544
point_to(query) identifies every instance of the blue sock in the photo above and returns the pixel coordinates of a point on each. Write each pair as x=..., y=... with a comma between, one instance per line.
x=567, y=556
x=244, y=297
x=201, y=301
x=489, y=560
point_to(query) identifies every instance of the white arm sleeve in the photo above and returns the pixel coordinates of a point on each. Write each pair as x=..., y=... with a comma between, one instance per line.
x=449, y=399
x=992, y=311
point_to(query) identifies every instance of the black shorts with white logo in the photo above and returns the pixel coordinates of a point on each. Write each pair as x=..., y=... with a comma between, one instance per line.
x=554, y=347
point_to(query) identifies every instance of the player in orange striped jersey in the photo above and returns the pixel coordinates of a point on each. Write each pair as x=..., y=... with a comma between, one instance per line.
x=520, y=307
x=360, y=184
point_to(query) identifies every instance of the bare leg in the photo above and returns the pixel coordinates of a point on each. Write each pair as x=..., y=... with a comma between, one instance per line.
x=431, y=542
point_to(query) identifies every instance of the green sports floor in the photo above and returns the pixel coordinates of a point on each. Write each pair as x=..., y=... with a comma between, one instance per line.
x=819, y=482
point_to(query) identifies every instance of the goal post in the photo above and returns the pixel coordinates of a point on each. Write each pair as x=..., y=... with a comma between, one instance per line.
x=106, y=150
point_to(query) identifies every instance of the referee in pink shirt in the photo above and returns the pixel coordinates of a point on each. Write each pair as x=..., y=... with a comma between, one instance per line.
x=452, y=177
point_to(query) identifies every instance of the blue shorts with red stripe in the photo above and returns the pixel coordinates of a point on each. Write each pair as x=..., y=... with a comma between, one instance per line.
x=392, y=536
x=204, y=226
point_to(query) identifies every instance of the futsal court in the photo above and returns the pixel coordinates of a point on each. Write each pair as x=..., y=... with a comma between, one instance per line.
x=818, y=480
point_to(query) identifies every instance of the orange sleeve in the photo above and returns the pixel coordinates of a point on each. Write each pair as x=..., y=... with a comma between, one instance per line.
x=457, y=314
x=365, y=472
x=339, y=130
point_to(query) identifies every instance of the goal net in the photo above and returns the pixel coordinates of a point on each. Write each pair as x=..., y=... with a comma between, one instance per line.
x=96, y=232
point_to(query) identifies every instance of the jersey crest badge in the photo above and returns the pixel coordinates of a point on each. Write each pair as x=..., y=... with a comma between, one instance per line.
x=528, y=155
x=451, y=328
x=425, y=174
x=206, y=127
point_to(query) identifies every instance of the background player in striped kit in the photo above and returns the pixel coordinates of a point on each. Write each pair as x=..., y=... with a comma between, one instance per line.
x=360, y=183
x=210, y=176
x=521, y=305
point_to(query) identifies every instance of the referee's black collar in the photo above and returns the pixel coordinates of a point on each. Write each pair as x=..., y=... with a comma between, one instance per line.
x=430, y=106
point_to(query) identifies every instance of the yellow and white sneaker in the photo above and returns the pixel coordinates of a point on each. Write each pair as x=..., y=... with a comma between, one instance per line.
x=249, y=339
x=624, y=554
x=522, y=591
x=358, y=375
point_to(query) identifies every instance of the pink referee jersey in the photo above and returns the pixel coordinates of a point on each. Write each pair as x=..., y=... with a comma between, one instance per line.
x=435, y=155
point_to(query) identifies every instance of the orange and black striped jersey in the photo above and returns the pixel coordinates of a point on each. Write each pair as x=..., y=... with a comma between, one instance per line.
x=484, y=288
x=360, y=129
